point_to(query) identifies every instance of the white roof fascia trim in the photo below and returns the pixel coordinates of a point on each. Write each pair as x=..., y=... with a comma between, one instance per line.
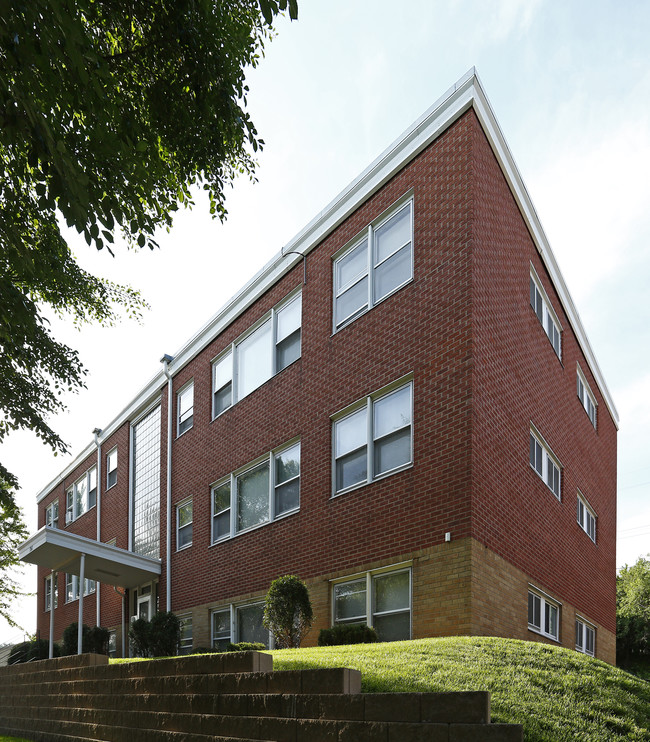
x=466, y=93
x=502, y=152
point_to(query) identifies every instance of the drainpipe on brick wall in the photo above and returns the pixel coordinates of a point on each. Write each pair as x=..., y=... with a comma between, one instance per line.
x=166, y=360
x=98, y=505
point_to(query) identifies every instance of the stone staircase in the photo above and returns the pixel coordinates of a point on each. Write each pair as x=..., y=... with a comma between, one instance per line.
x=232, y=697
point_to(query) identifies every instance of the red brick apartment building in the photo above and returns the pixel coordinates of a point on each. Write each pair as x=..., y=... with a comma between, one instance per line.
x=402, y=408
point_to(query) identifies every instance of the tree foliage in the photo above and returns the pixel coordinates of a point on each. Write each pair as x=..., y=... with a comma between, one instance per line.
x=12, y=533
x=110, y=114
x=633, y=611
x=287, y=611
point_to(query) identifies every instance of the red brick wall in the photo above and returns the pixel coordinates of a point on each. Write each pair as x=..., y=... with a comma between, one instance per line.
x=518, y=378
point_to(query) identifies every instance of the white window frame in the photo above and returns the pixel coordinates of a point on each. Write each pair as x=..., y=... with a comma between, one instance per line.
x=585, y=636
x=586, y=517
x=369, y=234
x=72, y=508
x=72, y=587
x=52, y=514
x=545, y=313
x=368, y=403
x=232, y=352
x=545, y=463
x=186, y=642
x=179, y=528
x=233, y=479
x=370, y=614
x=233, y=622
x=587, y=397
x=546, y=606
x=111, y=467
x=184, y=416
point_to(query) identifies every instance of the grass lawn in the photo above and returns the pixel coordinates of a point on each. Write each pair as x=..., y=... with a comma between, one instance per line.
x=557, y=694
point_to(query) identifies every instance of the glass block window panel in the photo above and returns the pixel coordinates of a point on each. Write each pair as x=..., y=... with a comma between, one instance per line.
x=221, y=630
x=184, y=525
x=287, y=329
x=350, y=602
x=185, y=408
x=392, y=430
x=221, y=511
x=249, y=624
x=392, y=605
x=111, y=468
x=287, y=480
x=253, y=497
x=222, y=384
x=146, y=436
x=254, y=365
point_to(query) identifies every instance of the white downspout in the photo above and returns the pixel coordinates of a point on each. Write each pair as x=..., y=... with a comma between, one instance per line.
x=96, y=434
x=166, y=360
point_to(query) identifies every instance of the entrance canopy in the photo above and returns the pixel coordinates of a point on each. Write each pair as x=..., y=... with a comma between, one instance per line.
x=62, y=552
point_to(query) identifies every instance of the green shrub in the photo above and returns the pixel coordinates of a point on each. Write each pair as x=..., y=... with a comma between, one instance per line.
x=245, y=647
x=36, y=649
x=287, y=611
x=159, y=637
x=347, y=634
x=93, y=639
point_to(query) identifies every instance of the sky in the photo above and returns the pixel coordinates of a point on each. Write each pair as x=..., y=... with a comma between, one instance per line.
x=569, y=83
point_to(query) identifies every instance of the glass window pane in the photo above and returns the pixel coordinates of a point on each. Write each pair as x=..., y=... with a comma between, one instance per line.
x=551, y=620
x=351, y=469
x=249, y=624
x=352, y=301
x=186, y=402
x=352, y=266
x=287, y=351
x=221, y=629
x=351, y=432
x=393, y=273
x=287, y=497
x=392, y=412
x=391, y=592
x=394, y=627
x=223, y=371
x=81, y=496
x=392, y=451
x=287, y=464
x=222, y=399
x=253, y=497
x=350, y=601
x=393, y=235
x=289, y=318
x=185, y=514
x=221, y=525
x=254, y=360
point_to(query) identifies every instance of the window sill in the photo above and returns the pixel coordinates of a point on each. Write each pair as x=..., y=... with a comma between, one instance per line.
x=226, y=539
x=110, y=488
x=180, y=435
x=541, y=633
x=183, y=548
x=355, y=317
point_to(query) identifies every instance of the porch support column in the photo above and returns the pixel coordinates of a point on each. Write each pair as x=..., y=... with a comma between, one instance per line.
x=80, y=624
x=53, y=580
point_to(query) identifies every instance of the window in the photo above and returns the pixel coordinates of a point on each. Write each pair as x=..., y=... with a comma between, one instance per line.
x=52, y=514
x=236, y=624
x=185, y=646
x=379, y=262
x=542, y=306
x=185, y=408
x=265, y=350
x=545, y=463
x=82, y=496
x=49, y=581
x=586, y=518
x=378, y=599
x=543, y=615
x=72, y=587
x=257, y=494
x=112, y=644
x=372, y=438
x=585, y=637
x=111, y=468
x=184, y=525
x=586, y=397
